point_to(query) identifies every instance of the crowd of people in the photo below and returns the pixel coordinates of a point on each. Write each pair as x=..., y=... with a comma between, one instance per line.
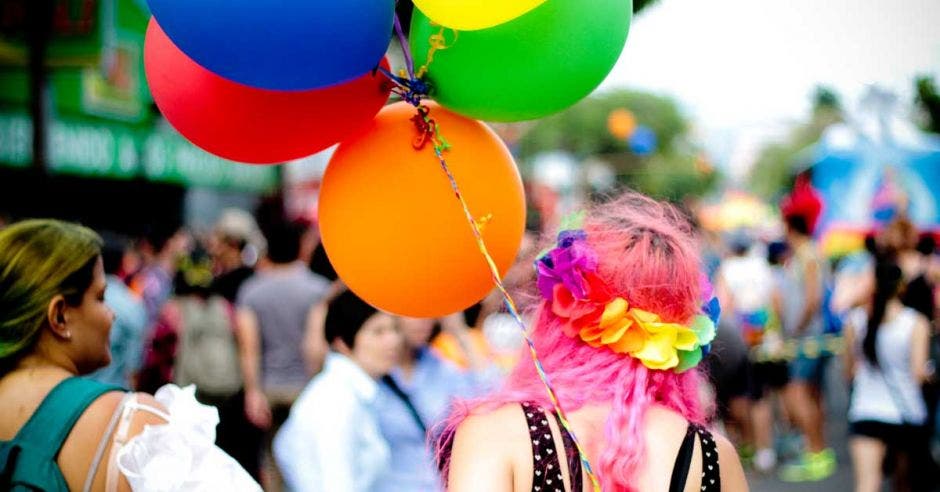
x=791, y=313
x=272, y=374
x=254, y=322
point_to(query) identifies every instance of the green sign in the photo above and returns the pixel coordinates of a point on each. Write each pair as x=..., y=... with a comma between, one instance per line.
x=102, y=124
x=114, y=87
x=87, y=147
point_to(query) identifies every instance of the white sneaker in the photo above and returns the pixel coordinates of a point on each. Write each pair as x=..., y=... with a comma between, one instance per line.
x=765, y=460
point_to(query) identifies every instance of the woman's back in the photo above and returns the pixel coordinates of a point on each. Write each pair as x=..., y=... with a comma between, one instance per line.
x=510, y=465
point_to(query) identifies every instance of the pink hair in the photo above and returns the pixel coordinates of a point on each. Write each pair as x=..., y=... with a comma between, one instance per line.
x=647, y=255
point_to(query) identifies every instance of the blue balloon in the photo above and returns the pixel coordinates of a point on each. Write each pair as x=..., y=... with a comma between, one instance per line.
x=643, y=141
x=280, y=44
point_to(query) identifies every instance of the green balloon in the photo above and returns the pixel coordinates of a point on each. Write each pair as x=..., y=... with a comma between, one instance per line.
x=533, y=66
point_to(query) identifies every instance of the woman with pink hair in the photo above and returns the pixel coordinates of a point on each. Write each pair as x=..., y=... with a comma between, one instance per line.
x=623, y=318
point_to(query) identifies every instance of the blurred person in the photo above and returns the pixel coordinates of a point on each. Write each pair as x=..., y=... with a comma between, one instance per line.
x=631, y=268
x=206, y=355
x=886, y=360
x=729, y=369
x=274, y=310
x=235, y=245
x=315, y=346
x=413, y=397
x=773, y=349
x=331, y=441
x=60, y=431
x=802, y=313
x=746, y=287
x=853, y=280
x=154, y=284
x=130, y=320
x=902, y=245
x=160, y=254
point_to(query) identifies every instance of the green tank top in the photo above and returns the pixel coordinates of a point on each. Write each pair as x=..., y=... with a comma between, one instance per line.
x=28, y=462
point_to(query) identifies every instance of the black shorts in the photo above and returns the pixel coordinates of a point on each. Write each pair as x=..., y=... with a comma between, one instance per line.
x=913, y=441
x=897, y=436
x=767, y=376
x=730, y=378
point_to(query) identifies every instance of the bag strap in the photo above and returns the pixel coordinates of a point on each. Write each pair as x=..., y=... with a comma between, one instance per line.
x=28, y=462
x=52, y=422
x=389, y=381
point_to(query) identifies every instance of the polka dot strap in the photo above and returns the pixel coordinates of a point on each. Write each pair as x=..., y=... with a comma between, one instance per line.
x=546, y=474
x=711, y=474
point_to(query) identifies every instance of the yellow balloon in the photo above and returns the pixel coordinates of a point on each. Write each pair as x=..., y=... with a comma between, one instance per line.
x=469, y=15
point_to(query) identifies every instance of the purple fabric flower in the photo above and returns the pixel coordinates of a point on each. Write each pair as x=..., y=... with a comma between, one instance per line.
x=565, y=265
x=567, y=238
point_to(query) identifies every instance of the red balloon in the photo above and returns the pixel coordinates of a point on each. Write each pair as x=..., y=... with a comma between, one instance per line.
x=247, y=124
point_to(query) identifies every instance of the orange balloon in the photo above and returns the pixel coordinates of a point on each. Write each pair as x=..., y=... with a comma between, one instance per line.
x=621, y=123
x=392, y=226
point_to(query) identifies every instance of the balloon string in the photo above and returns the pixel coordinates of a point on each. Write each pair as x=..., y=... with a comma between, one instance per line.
x=411, y=88
x=436, y=42
x=430, y=132
x=405, y=48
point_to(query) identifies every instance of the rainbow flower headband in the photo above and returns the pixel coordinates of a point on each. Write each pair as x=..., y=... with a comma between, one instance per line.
x=567, y=279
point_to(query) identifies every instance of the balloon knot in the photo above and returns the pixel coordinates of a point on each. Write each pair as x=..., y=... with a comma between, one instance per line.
x=425, y=126
x=428, y=130
x=420, y=87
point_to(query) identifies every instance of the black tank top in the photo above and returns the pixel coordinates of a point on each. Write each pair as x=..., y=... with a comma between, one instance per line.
x=546, y=470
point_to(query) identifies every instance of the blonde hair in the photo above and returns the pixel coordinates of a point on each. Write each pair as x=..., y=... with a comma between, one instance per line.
x=40, y=259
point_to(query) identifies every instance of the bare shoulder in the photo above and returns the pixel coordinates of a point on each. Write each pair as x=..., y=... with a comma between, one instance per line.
x=486, y=449
x=98, y=417
x=732, y=474
x=94, y=429
x=100, y=413
x=664, y=431
x=145, y=416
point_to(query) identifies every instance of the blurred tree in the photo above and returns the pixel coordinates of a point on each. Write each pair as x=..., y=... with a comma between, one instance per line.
x=928, y=100
x=672, y=172
x=779, y=162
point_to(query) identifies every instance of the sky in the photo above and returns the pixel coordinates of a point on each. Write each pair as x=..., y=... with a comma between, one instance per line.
x=743, y=70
